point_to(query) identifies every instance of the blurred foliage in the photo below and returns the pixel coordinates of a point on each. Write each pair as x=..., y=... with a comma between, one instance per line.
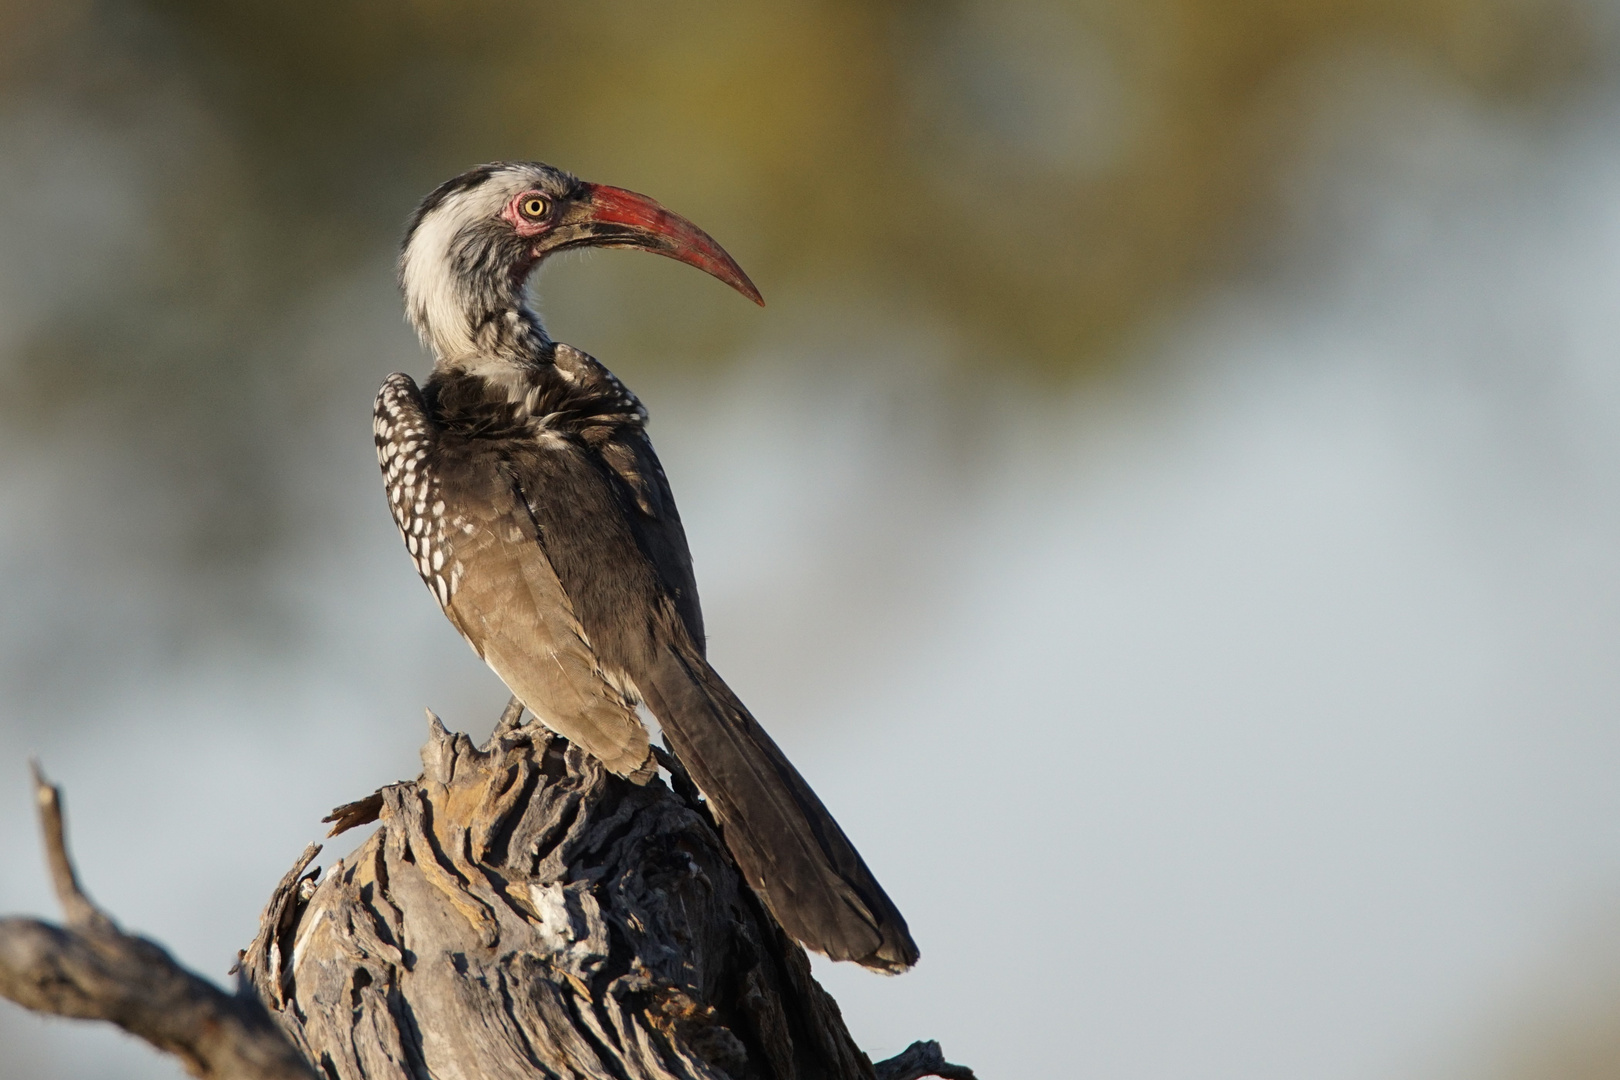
x=1040, y=172
x=1034, y=174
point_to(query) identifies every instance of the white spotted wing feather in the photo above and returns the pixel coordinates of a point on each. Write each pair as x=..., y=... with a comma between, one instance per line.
x=475, y=545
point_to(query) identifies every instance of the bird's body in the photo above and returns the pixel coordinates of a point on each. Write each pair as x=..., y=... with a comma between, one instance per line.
x=530, y=498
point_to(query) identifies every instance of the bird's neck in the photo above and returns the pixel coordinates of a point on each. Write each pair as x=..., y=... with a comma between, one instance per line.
x=471, y=307
x=498, y=336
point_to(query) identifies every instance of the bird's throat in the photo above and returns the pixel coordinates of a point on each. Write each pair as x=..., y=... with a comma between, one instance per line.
x=479, y=330
x=466, y=296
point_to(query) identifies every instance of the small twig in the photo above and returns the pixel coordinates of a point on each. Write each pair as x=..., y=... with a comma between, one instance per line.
x=918, y=1060
x=92, y=970
x=79, y=909
x=354, y=814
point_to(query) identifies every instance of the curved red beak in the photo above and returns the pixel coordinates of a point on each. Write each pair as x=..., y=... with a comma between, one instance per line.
x=620, y=218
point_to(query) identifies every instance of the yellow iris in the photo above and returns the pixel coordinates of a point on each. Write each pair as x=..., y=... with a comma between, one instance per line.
x=535, y=207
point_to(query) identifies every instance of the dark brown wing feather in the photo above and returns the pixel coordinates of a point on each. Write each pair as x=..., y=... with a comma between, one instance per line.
x=466, y=523
x=791, y=850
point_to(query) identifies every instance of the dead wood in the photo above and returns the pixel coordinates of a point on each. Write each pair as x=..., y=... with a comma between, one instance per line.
x=520, y=913
x=918, y=1060
x=92, y=970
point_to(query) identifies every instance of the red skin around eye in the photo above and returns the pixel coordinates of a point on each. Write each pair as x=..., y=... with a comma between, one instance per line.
x=520, y=224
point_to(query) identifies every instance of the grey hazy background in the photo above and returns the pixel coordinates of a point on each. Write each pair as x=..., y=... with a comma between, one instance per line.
x=1168, y=508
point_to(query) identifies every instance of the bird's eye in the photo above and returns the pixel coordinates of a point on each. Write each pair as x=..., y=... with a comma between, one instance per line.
x=535, y=207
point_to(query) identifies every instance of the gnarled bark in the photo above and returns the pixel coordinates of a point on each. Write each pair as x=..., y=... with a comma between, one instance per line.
x=522, y=912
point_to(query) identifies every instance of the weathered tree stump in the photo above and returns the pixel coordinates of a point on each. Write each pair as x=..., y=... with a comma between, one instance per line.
x=520, y=912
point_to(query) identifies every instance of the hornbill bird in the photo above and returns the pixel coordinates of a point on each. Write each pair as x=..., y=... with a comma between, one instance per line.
x=529, y=496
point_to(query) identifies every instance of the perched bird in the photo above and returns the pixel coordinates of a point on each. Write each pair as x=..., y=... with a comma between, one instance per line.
x=529, y=496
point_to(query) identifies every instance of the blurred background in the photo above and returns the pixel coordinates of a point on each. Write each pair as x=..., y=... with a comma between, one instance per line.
x=1168, y=508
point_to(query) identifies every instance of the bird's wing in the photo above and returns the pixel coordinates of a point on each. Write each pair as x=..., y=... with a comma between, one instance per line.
x=649, y=510
x=468, y=525
x=562, y=561
x=617, y=440
x=612, y=552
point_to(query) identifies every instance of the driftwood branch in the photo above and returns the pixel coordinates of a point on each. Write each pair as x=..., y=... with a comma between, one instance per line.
x=521, y=912
x=90, y=969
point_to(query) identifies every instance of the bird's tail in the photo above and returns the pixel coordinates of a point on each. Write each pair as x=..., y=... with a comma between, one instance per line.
x=791, y=851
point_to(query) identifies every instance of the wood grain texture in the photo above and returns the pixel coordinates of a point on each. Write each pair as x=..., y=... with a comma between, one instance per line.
x=521, y=912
